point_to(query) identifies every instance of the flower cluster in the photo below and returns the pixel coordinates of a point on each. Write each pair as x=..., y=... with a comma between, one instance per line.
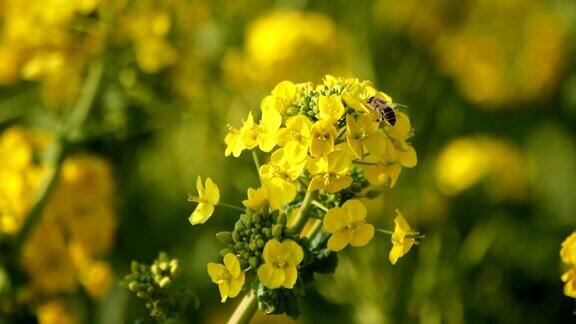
x=327, y=150
x=153, y=284
x=568, y=255
x=65, y=249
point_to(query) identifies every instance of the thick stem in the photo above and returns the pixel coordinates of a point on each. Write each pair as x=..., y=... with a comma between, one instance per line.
x=299, y=219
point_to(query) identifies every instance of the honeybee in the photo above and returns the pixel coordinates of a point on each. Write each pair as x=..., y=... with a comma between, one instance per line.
x=384, y=109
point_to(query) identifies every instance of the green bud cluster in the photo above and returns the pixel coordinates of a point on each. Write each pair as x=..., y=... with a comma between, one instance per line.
x=306, y=102
x=282, y=300
x=250, y=234
x=151, y=283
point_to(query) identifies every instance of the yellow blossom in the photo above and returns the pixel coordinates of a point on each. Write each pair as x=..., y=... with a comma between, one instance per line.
x=281, y=262
x=323, y=135
x=380, y=174
x=56, y=312
x=228, y=276
x=403, y=238
x=331, y=108
x=330, y=172
x=347, y=224
x=400, y=132
x=257, y=198
x=251, y=134
x=569, y=277
x=208, y=197
x=568, y=251
x=363, y=136
x=284, y=94
x=280, y=175
x=298, y=128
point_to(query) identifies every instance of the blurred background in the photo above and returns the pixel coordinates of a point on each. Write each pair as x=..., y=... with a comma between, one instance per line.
x=490, y=88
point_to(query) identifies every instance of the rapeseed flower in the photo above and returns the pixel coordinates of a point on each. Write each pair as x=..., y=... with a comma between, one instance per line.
x=228, y=276
x=329, y=172
x=281, y=262
x=347, y=224
x=323, y=135
x=208, y=197
x=403, y=238
x=257, y=198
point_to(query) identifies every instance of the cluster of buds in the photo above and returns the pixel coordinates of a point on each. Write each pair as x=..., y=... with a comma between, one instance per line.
x=328, y=148
x=152, y=283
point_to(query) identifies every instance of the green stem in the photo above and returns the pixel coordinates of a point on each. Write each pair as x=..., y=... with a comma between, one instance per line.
x=231, y=206
x=364, y=163
x=319, y=205
x=245, y=310
x=300, y=217
x=384, y=231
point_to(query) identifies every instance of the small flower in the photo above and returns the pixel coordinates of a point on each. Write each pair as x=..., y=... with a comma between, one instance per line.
x=298, y=128
x=281, y=262
x=228, y=276
x=347, y=224
x=403, y=238
x=251, y=134
x=323, y=136
x=281, y=174
x=331, y=108
x=363, y=135
x=400, y=132
x=208, y=197
x=257, y=198
x=380, y=174
x=330, y=172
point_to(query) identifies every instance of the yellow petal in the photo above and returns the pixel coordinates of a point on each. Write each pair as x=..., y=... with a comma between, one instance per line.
x=270, y=276
x=401, y=129
x=407, y=157
x=233, y=265
x=272, y=248
x=292, y=252
x=335, y=219
x=199, y=187
x=362, y=235
x=395, y=253
x=212, y=193
x=215, y=271
x=335, y=182
x=201, y=214
x=291, y=275
x=236, y=285
x=331, y=108
x=224, y=288
x=355, y=210
x=339, y=240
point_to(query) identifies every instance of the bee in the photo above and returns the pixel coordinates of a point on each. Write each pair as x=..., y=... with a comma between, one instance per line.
x=384, y=109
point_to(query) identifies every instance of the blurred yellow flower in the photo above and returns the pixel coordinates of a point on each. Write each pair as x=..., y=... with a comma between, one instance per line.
x=281, y=262
x=330, y=172
x=208, y=197
x=277, y=42
x=403, y=238
x=347, y=224
x=55, y=311
x=568, y=250
x=281, y=174
x=569, y=277
x=228, y=276
x=468, y=160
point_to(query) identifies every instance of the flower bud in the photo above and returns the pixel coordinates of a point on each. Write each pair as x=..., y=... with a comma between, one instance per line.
x=277, y=230
x=225, y=237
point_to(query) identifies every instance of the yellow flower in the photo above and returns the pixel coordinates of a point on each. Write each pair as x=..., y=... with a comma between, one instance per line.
x=347, y=224
x=363, y=136
x=228, y=276
x=208, y=197
x=257, y=198
x=281, y=262
x=569, y=277
x=271, y=120
x=403, y=238
x=330, y=172
x=56, y=312
x=380, y=174
x=400, y=132
x=280, y=175
x=568, y=251
x=323, y=135
x=251, y=134
x=331, y=108
x=282, y=97
x=298, y=128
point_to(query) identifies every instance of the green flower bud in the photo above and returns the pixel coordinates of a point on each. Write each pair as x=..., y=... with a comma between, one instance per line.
x=267, y=233
x=261, y=243
x=225, y=251
x=142, y=295
x=253, y=261
x=246, y=220
x=134, y=267
x=281, y=219
x=277, y=230
x=133, y=286
x=225, y=237
x=373, y=193
x=235, y=236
